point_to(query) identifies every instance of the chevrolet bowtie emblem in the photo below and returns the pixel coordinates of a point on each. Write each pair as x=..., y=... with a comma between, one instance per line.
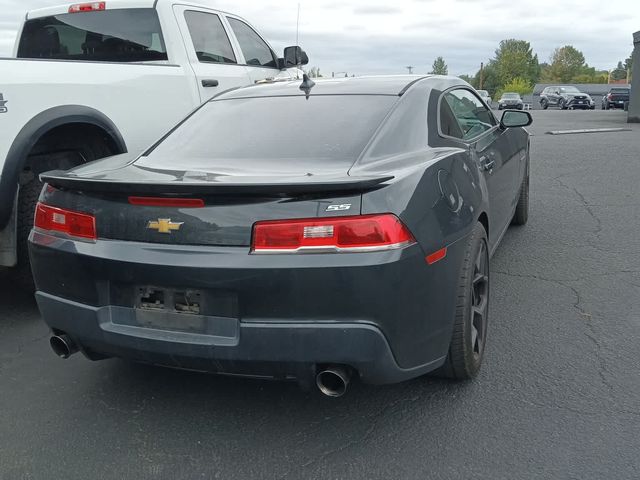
x=164, y=225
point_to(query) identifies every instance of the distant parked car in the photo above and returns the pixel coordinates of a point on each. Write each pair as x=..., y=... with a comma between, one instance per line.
x=484, y=95
x=616, y=98
x=565, y=97
x=510, y=100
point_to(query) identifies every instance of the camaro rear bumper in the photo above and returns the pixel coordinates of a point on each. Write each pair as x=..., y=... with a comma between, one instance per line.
x=272, y=350
x=387, y=314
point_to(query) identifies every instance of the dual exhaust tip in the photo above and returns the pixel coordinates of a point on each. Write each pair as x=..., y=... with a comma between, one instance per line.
x=332, y=381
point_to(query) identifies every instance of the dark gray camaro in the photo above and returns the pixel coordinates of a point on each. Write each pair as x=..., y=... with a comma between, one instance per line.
x=342, y=231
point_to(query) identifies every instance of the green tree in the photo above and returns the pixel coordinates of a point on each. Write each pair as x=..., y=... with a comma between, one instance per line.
x=469, y=79
x=439, y=67
x=490, y=81
x=518, y=85
x=619, y=73
x=566, y=63
x=515, y=59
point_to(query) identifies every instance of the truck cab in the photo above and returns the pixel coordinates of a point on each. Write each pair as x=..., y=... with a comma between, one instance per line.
x=90, y=80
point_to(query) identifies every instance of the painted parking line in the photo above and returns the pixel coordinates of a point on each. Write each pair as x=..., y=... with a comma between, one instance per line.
x=587, y=130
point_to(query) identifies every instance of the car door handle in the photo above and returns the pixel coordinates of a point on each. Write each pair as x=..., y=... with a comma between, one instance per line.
x=487, y=164
x=210, y=82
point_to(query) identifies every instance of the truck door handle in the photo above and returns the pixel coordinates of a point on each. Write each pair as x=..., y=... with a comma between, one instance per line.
x=210, y=82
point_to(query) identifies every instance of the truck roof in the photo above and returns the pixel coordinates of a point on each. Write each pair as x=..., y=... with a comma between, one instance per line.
x=116, y=4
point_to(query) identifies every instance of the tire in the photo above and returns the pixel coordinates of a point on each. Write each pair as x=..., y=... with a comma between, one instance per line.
x=521, y=214
x=561, y=104
x=544, y=104
x=468, y=340
x=606, y=106
x=27, y=199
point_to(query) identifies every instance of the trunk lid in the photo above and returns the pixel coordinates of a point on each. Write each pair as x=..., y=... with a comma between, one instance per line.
x=231, y=202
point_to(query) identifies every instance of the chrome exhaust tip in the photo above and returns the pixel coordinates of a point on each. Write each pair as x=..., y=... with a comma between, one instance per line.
x=63, y=346
x=333, y=381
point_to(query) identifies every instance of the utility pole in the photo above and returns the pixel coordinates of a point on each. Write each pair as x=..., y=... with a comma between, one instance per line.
x=481, y=75
x=410, y=68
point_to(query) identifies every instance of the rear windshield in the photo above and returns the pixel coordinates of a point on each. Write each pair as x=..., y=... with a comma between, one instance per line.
x=510, y=95
x=619, y=90
x=126, y=35
x=324, y=128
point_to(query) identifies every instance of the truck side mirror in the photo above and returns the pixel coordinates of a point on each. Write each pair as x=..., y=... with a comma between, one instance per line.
x=293, y=57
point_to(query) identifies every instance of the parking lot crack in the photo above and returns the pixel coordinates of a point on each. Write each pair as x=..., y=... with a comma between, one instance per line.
x=592, y=335
x=587, y=206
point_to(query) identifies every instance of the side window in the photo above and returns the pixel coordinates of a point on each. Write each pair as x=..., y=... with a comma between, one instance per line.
x=470, y=114
x=256, y=52
x=209, y=37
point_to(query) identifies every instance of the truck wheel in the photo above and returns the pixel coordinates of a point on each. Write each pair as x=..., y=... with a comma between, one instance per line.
x=521, y=214
x=30, y=192
x=27, y=199
x=470, y=323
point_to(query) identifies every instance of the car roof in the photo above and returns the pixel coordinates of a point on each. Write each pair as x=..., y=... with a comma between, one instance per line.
x=374, y=85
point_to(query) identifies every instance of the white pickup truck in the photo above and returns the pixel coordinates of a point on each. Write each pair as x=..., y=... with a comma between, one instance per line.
x=95, y=79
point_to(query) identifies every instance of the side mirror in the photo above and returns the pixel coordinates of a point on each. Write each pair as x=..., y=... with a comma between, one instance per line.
x=293, y=57
x=515, y=118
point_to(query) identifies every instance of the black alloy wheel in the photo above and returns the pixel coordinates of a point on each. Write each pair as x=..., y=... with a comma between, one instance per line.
x=470, y=324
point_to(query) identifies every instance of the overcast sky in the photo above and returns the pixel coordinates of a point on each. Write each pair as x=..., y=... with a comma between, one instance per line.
x=382, y=36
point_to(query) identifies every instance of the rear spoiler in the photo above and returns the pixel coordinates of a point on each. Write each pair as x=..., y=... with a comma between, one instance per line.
x=252, y=186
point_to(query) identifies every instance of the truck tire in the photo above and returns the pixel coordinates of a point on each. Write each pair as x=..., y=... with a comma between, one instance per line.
x=27, y=199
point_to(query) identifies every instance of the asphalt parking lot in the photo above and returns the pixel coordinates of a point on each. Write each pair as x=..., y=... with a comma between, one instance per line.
x=558, y=396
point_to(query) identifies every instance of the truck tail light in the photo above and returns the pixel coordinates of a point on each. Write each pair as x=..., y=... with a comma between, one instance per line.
x=88, y=7
x=362, y=233
x=74, y=224
x=609, y=96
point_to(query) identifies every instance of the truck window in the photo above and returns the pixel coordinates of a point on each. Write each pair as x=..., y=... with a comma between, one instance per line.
x=256, y=52
x=209, y=37
x=125, y=35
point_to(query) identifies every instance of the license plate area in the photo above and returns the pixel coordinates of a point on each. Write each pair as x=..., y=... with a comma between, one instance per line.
x=213, y=313
x=187, y=302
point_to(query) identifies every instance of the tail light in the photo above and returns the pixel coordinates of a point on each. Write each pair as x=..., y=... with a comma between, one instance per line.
x=88, y=7
x=363, y=233
x=609, y=96
x=74, y=224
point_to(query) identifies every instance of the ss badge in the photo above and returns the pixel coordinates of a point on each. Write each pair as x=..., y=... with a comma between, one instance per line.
x=3, y=103
x=338, y=208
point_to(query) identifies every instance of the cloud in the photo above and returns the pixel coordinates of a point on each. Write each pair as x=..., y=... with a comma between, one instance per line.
x=376, y=10
x=376, y=36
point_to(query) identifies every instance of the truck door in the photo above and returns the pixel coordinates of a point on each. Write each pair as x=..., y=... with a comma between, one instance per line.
x=261, y=61
x=215, y=62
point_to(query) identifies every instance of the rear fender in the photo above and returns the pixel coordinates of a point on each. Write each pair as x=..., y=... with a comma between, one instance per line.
x=440, y=199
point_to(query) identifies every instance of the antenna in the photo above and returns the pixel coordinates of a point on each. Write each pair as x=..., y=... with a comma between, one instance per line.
x=410, y=68
x=298, y=26
x=298, y=40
